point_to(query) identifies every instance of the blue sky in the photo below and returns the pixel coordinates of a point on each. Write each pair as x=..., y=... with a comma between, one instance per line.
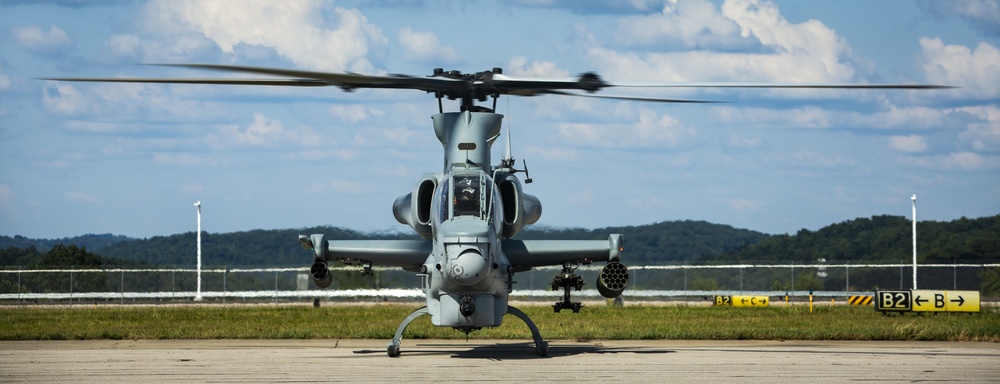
x=131, y=159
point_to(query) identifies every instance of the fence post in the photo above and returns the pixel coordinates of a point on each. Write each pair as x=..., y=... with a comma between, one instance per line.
x=901, y=274
x=847, y=273
x=741, y=279
x=793, y=281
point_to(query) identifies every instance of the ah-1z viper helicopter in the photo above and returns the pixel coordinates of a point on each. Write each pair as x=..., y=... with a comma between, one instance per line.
x=469, y=212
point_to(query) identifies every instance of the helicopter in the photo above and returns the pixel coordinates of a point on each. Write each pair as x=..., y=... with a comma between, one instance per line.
x=468, y=214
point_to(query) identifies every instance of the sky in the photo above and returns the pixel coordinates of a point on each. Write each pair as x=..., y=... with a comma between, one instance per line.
x=132, y=159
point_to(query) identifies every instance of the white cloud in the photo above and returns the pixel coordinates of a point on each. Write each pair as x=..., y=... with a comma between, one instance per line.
x=910, y=143
x=644, y=129
x=960, y=161
x=35, y=40
x=976, y=71
x=687, y=24
x=803, y=52
x=984, y=133
x=813, y=159
x=263, y=132
x=803, y=117
x=518, y=66
x=983, y=15
x=63, y=98
x=423, y=47
x=186, y=160
x=308, y=33
x=740, y=142
x=126, y=46
x=353, y=113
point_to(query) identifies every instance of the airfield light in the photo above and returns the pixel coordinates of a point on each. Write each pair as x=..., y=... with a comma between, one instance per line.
x=197, y=295
x=914, y=199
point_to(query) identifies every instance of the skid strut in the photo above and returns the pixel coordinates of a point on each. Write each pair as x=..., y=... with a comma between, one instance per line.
x=541, y=347
x=393, y=347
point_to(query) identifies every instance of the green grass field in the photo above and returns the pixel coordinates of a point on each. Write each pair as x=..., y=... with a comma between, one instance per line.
x=379, y=321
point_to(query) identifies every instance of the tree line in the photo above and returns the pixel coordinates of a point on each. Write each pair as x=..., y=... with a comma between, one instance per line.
x=878, y=239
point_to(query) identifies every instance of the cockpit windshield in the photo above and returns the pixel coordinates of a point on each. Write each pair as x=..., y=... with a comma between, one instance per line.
x=466, y=195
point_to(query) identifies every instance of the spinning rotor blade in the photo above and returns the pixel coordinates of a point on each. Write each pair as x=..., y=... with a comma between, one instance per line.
x=272, y=82
x=634, y=98
x=781, y=85
x=346, y=81
x=467, y=86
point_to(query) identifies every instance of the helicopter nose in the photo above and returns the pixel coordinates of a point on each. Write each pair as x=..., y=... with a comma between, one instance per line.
x=469, y=268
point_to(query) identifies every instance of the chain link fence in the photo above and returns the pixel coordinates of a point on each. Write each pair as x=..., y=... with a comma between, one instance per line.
x=651, y=282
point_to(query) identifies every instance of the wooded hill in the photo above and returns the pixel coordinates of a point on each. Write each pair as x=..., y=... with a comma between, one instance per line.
x=879, y=238
x=666, y=242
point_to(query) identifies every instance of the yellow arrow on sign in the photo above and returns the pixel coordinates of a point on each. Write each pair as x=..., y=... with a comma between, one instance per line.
x=962, y=301
x=928, y=301
x=750, y=301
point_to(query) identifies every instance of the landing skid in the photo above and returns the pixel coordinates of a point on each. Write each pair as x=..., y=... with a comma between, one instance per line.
x=541, y=347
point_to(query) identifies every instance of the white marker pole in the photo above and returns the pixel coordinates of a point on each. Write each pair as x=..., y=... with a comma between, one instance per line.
x=197, y=296
x=914, y=199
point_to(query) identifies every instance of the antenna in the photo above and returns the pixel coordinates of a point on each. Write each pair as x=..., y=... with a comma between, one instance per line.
x=507, y=161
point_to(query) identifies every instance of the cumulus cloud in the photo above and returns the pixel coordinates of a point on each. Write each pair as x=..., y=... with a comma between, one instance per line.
x=684, y=24
x=309, y=33
x=519, y=66
x=263, y=132
x=353, y=113
x=791, y=52
x=645, y=129
x=976, y=71
x=910, y=143
x=983, y=132
x=36, y=40
x=957, y=161
x=62, y=98
x=186, y=160
x=424, y=48
x=125, y=46
x=982, y=15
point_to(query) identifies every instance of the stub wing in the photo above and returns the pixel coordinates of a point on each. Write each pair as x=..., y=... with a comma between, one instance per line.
x=406, y=254
x=526, y=254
